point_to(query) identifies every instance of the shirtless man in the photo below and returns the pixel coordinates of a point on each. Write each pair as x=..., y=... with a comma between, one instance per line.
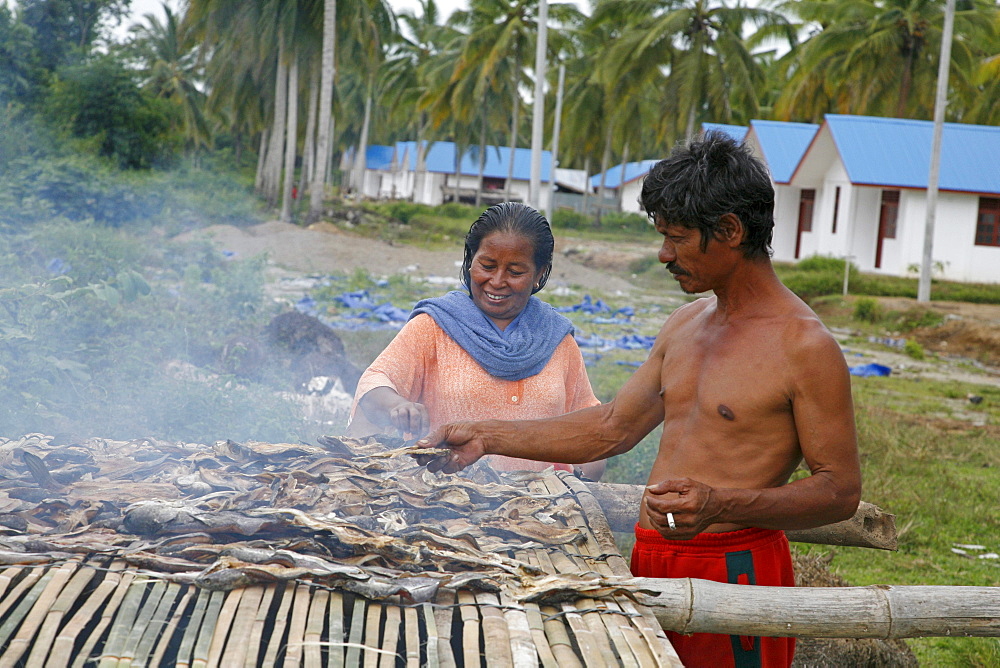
x=748, y=383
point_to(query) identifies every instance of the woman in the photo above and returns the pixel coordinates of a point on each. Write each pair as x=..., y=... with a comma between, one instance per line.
x=495, y=353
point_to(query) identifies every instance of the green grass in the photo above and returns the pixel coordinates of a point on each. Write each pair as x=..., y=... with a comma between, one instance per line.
x=820, y=276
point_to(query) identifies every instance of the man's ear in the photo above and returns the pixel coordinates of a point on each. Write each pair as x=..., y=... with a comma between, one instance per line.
x=730, y=230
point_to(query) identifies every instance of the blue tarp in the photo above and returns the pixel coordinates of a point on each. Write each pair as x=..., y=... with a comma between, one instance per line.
x=870, y=370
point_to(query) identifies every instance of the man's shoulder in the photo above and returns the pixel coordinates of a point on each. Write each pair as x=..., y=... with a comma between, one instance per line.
x=692, y=309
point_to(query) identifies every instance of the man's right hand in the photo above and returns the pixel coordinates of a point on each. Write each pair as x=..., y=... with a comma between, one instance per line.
x=463, y=439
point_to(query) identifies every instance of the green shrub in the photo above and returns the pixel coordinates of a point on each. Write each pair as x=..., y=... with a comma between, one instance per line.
x=916, y=318
x=405, y=211
x=822, y=263
x=568, y=219
x=867, y=310
x=101, y=102
x=631, y=222
x=811, y=284
x=458, y=210
x=914, y=349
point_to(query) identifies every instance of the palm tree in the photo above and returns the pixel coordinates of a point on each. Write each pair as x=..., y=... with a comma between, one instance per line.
x=490, y=67
x=324, y=126
x=415, y=67
x=171, y=70
x=876, y=58
x=712, y=73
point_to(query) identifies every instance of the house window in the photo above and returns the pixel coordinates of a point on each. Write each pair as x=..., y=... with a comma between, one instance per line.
x=890, y=211
x=836, y=207
x=988, y=222
x=493, y=183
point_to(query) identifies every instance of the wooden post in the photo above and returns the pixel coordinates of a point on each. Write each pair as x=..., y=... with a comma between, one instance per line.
x=688, y=605
x=870, y=526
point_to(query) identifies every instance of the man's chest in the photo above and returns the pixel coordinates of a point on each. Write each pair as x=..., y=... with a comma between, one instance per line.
x=726, y=383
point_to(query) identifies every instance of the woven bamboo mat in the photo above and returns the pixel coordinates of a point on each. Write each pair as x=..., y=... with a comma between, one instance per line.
x=78, y=609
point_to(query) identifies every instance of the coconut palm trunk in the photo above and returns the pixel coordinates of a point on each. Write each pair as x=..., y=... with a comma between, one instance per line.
x=309, y=145
x=514, y=124
x=291, y=140
x=275, y=152
x=361, y=159
x=324, y=118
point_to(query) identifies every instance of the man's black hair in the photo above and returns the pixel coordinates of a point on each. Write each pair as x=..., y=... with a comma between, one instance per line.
x=515, y=218
x=706, y=179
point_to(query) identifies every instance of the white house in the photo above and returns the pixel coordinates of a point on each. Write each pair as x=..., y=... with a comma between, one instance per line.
x=863, y=191
x=392, y=173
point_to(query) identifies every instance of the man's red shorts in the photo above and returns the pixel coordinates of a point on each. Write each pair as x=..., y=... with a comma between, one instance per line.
x=747, y=556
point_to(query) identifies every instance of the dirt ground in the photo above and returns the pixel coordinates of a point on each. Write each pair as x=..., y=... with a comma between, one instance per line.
x=324, y=248
x=970, y=332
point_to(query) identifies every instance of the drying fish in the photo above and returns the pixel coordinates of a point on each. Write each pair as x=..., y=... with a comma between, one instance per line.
x=352, y=514
x=532, y=529
x=153, y=517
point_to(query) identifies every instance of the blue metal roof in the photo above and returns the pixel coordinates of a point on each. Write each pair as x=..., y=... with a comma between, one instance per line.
x=379, y=157
x=737, y=132
x=896, y=152
x=783, y=145
x=441, y=158
x=621, y=174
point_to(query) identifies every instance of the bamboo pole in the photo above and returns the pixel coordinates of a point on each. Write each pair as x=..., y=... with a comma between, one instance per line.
x=312, y=652
x=114, y=647
x=373, y=621
x=470, y=628
x=688, y=605
x=227, y=613
x=297, y=626
x=261, y=623
x=870, y=527
x=174, y=623
x=141, y=622
x=495, y=635
x=411, y=630
x=235, y=654
x=116, y=583
x=336, y=632
x=390, y=636
x=203, y=645
x=42, y=597
x=355, y=633
x=157, y=625
x=275, y=626
x=47, y=635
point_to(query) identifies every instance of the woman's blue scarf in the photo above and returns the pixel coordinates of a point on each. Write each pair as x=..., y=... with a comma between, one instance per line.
x=520, y=351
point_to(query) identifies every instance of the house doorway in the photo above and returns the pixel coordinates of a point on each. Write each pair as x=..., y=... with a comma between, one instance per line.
x=807, y=199
x=888, y=213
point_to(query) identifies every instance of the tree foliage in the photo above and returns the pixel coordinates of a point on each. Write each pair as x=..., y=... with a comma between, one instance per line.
x=100, y=102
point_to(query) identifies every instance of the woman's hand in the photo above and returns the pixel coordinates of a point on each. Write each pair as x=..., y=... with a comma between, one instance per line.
x=385, y=408
x=409, y=417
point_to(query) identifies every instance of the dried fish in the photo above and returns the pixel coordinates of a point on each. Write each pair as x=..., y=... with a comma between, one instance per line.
x=354, y=514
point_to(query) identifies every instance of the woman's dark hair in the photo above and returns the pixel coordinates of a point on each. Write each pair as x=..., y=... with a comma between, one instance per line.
x=704, y=180
x=514, y=218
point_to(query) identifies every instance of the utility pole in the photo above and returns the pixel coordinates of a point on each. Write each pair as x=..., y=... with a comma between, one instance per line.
x=924, y=285
x=555, y=141
x=538, y=112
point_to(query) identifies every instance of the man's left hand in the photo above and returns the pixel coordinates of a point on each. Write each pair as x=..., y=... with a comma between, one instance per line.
x=680, y=509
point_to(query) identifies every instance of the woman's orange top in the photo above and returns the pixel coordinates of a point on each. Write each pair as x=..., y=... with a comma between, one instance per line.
x=425, y=365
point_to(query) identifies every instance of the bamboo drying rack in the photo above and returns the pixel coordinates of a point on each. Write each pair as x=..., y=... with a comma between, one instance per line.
x=91, y=610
